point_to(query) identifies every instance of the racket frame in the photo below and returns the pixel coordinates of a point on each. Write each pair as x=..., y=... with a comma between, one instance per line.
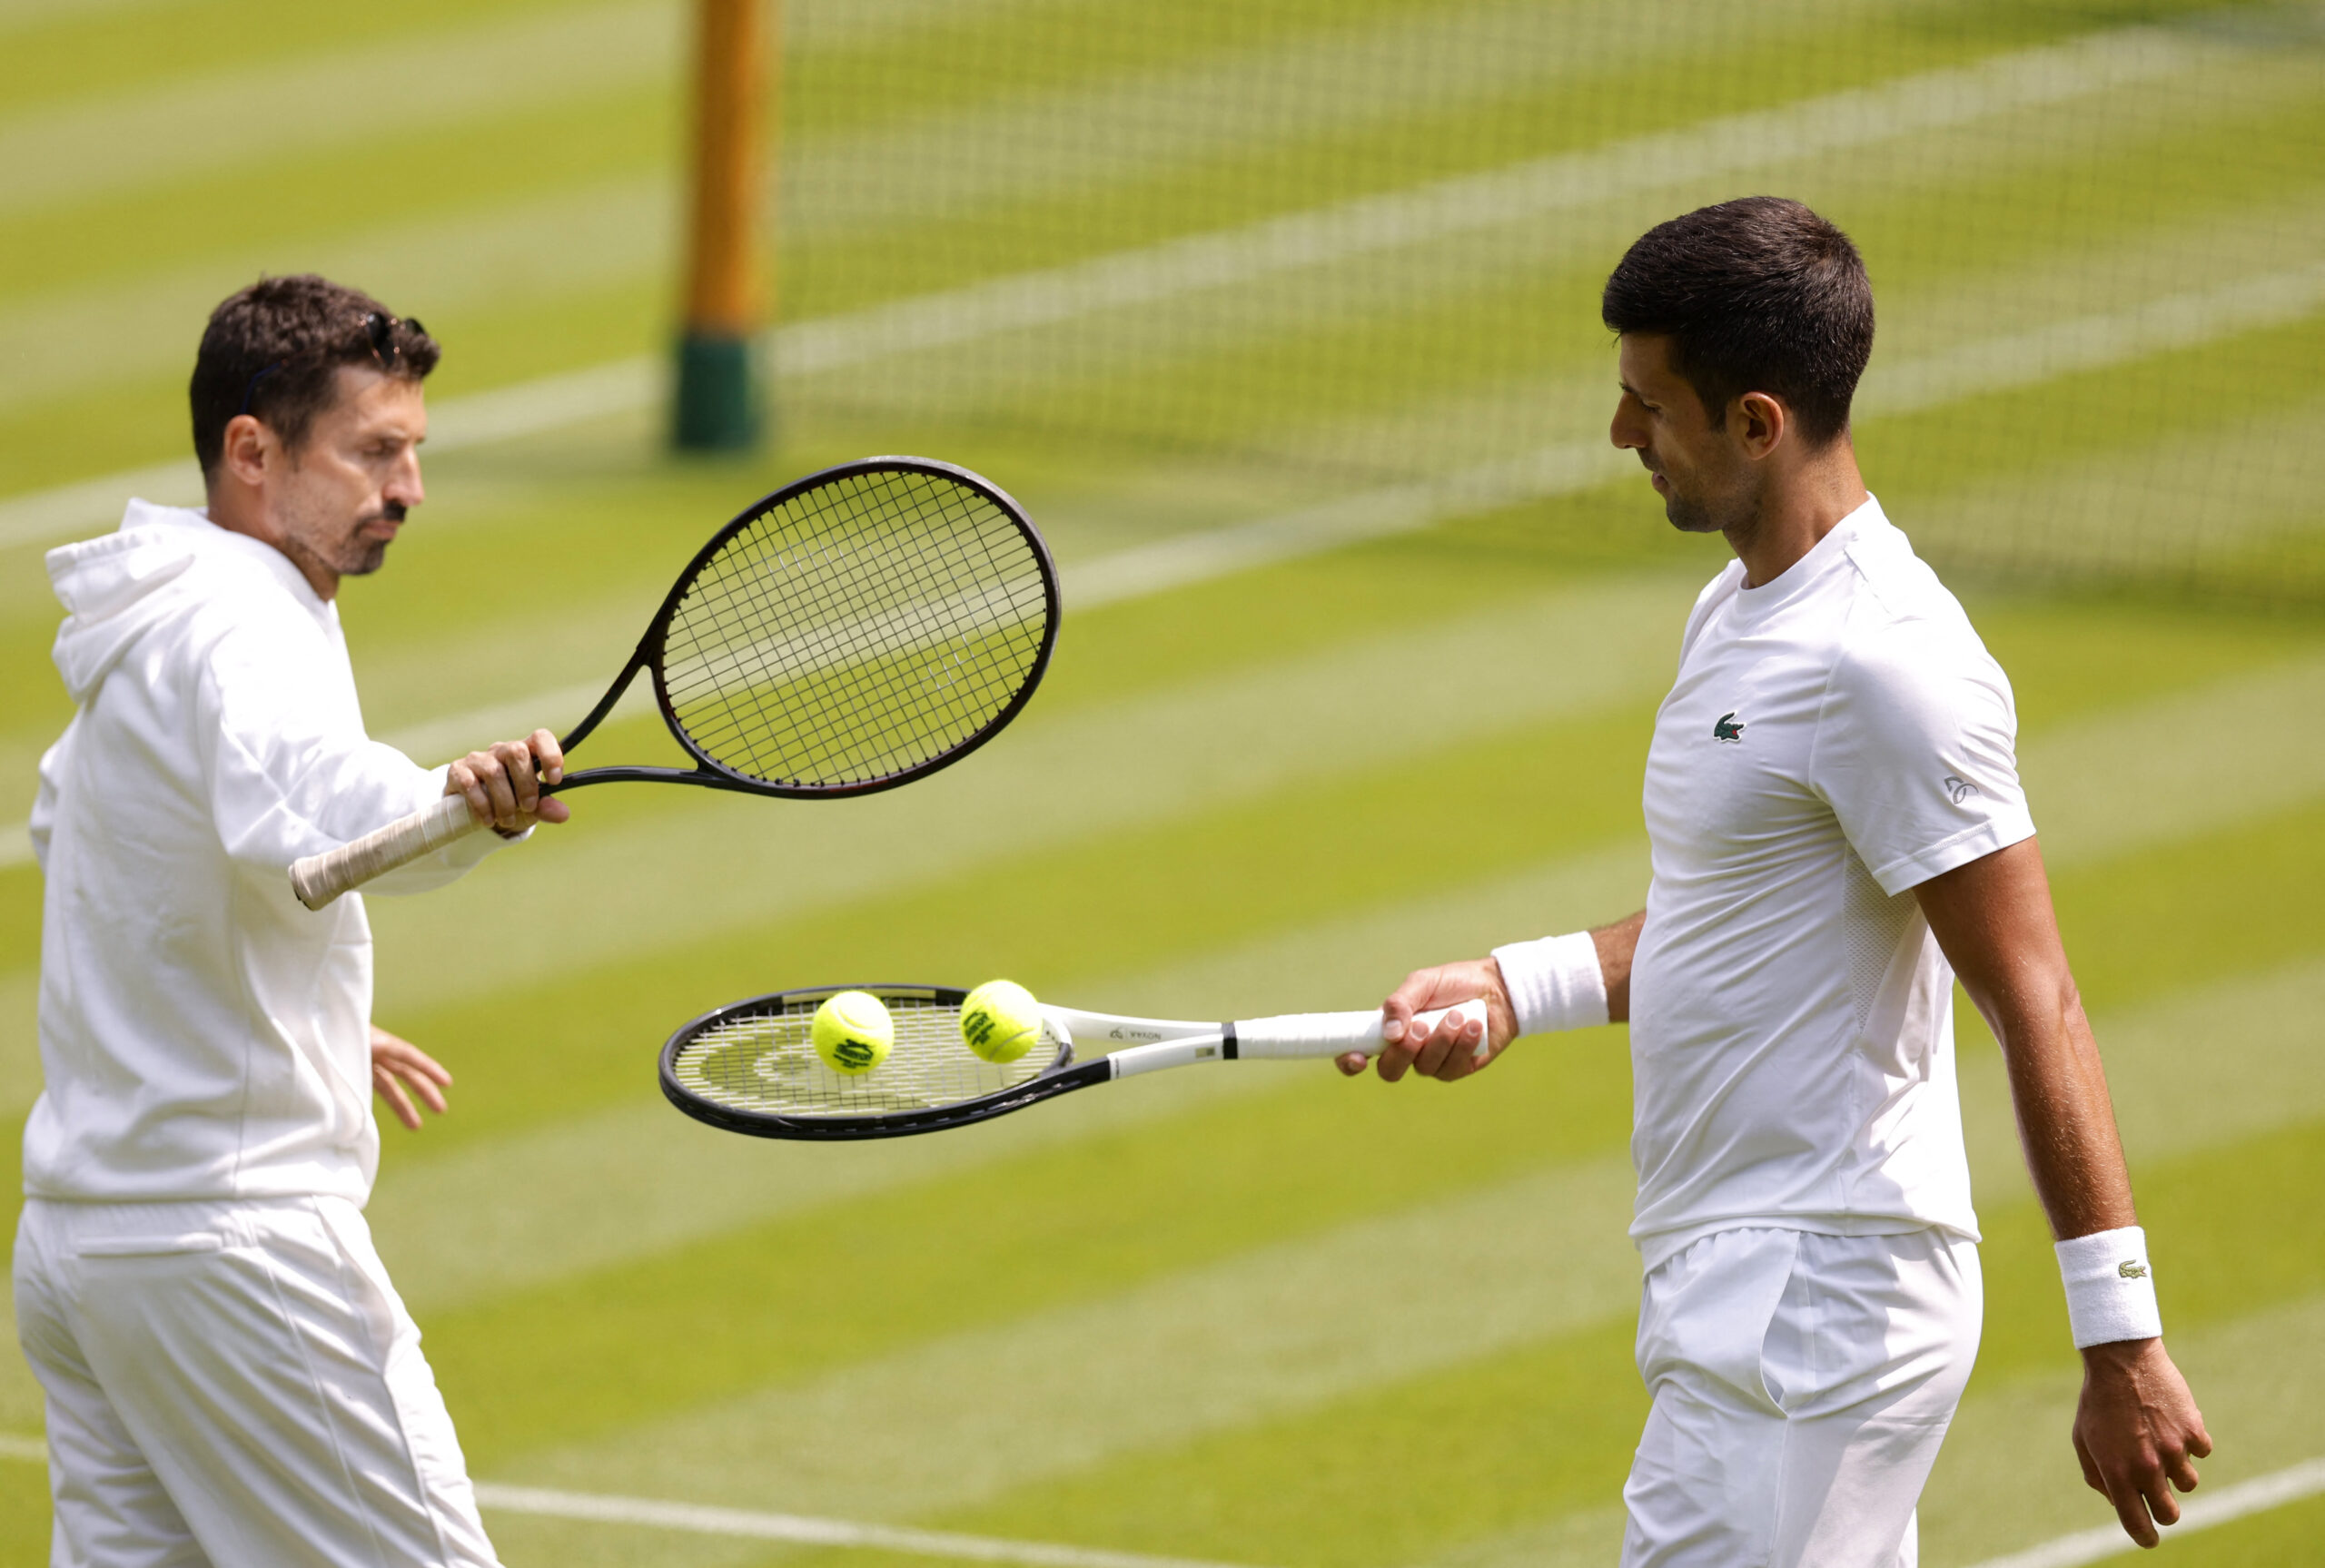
x=708, y=773
x=1145, y=1045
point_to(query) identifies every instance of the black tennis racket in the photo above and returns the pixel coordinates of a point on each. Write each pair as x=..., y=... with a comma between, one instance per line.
x=852, y=632
x=750, y=1067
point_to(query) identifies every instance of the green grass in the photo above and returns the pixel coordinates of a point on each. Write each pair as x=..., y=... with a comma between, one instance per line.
x=615, y=1300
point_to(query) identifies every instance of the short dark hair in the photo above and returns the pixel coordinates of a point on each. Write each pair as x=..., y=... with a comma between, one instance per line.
x=1759, y=294
x=273, y=350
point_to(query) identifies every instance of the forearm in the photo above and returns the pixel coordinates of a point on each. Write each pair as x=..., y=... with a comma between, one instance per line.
x=2066, y=1122
x=1616, y=944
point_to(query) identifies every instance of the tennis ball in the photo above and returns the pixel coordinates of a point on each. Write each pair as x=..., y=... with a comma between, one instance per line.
x=853, y=1032
x=1001, y=1020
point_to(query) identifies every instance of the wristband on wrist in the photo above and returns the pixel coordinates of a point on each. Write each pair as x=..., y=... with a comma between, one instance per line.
x=2111, y=1290
x=1554, y=983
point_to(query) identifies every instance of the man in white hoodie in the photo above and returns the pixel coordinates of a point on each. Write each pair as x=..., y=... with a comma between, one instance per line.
x=230, y=1376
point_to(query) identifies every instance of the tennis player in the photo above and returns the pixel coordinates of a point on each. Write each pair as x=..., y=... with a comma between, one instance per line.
x=230, y=1376
x=1837, y=832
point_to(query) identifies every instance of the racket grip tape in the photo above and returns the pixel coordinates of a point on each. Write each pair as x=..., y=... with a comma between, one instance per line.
x=318, y=879
x=1312, y=1034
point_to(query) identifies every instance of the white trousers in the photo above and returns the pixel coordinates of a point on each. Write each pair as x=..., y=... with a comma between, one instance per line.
x=237, y=1385
x=1802, y=1385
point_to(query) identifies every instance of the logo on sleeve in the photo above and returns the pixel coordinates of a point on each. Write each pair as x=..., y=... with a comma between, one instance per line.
x=2132, y=1269
x=1958, y=789
x=1725, y=728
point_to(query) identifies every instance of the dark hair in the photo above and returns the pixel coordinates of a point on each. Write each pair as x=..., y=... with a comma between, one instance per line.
x=1756, y=295
x=273, y=350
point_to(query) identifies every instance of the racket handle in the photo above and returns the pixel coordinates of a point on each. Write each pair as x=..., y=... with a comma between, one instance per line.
x=320, y=878
x=1305, y=1034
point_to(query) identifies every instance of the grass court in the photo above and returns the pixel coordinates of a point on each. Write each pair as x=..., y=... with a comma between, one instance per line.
x=1255, y=1317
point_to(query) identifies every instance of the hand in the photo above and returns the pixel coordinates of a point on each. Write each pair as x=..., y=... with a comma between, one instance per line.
x=503, y=783
x=2136, y=1426
x=1450, y=1051
x=398, y=1063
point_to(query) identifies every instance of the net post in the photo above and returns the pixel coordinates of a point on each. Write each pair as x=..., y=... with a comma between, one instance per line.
x=719, y=403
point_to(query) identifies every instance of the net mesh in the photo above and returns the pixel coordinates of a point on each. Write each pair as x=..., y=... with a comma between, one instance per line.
x=1361, y=241
x=857, y=631
x=765, y=1063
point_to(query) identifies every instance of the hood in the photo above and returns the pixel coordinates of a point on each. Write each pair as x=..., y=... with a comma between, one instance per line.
x=116, y=588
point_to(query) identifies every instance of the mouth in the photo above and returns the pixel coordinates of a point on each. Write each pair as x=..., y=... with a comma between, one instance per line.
x=1662, y=485
x=382, y=529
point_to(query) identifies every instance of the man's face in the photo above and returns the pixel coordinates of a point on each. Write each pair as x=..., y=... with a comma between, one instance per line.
x=343, y=493
x=1708, y=483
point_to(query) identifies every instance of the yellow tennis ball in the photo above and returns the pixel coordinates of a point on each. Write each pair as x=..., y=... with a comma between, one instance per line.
x=1001, y=1020
x=853, y=1032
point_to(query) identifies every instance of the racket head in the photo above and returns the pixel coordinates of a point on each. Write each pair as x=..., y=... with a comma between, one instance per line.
x=855, y=630
x=750, y=1068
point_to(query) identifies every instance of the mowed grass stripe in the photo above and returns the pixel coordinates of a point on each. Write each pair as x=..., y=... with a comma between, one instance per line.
x=1241, y=740
x=635, y=1180
x=1519, y=1423
x=1148, y=760
x=632, y=1180
x=1184, y=1187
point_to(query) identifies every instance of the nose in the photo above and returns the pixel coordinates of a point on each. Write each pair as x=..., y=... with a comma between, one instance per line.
x=1627, y=429
x=403, y=485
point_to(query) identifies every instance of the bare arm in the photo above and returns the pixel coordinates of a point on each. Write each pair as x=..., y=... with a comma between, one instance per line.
x=1451, y=1051
x=2137, y=1425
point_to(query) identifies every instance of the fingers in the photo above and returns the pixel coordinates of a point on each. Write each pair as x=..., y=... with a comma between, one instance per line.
x=2131, y=1507
x=384, y=1082
x=502, y=783
x=1353, y=1063
x=2181, y=1467
x=1450, y=1050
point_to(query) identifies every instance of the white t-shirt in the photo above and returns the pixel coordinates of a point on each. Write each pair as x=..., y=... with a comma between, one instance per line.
x=202, y=1034
x=1835, y=737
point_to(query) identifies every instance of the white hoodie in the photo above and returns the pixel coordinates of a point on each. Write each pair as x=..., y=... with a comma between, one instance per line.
x=203, y=1035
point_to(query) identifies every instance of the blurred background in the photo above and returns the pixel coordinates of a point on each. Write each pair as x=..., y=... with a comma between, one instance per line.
x=1281, y=317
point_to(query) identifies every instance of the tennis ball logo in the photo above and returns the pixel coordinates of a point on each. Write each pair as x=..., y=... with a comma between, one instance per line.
x=999, y=1021
x=853, y=1032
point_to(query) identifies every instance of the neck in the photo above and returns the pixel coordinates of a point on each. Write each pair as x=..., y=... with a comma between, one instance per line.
x=1801, y=505
x=242, y=509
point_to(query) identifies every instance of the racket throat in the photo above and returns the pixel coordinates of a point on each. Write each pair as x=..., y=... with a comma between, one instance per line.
x=1170, y=1053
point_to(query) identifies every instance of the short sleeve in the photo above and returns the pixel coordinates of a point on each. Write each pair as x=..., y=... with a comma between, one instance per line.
x=1916, y=752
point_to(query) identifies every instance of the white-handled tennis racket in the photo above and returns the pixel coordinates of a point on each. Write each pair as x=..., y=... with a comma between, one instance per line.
x=854, y=631
x=750, y=1067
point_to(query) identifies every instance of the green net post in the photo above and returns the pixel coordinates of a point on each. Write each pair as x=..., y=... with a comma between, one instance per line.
x=716, y=406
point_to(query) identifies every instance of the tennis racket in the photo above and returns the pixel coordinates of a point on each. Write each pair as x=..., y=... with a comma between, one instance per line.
x=750, y=1067
x=854, y=631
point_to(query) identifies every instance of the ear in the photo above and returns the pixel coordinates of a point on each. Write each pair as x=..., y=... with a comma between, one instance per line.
x=248, y=448
x=1759, y=422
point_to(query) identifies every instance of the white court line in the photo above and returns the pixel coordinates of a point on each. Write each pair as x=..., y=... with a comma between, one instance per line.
x=752, y=1525
x=1838, y=121
x=2200, y=1510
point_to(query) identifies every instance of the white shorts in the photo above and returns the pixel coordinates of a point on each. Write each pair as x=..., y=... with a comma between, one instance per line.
x=235, y=1384
x=1802, y=1385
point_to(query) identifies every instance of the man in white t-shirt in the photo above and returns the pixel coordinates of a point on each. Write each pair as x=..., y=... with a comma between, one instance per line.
x=230, y=1379
x=1837, y=832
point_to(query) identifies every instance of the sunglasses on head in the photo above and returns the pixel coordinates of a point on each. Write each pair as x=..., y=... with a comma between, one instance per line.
x=378, y=328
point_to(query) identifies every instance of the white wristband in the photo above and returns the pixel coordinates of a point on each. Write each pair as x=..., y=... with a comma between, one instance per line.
x=2111, y=1290
x=1554, y=983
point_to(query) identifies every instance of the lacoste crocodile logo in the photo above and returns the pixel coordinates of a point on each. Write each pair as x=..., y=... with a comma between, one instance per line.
x=2132, y=1270
x=1959, y=789
x=1725, y=728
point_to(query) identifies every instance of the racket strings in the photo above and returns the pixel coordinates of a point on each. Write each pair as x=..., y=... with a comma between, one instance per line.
x=858, y=630
x=766, y=1063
